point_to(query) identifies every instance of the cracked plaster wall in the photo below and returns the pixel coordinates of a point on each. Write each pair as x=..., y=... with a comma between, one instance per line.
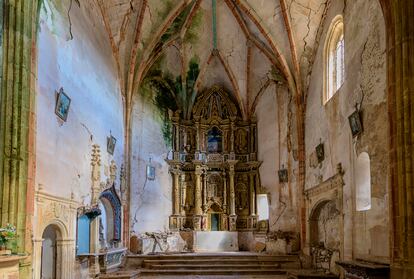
x=365, y=233
x=150, y=199
x=84, y=67
x=273, y=130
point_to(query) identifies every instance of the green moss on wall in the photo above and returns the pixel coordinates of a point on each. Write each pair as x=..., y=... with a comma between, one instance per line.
x=176, y=25
x=192, y=34
x=168, y=93
x=56, y=14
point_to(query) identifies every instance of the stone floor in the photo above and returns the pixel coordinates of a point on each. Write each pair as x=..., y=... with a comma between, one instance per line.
x=221, y=277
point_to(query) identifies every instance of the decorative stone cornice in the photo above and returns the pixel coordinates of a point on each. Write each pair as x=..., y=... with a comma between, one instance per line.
x=334, y=182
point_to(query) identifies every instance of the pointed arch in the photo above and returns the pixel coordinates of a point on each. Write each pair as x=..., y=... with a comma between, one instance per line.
x=259, y=94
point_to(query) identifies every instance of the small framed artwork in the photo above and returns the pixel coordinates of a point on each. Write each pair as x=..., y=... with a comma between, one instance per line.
x=150, y=172
x=110, y=145
x=283, y=176
x=62, y=105
x=320, y=152
x=355, y=123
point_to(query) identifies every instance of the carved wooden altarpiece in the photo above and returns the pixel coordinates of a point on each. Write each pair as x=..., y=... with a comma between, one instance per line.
x=214, y=166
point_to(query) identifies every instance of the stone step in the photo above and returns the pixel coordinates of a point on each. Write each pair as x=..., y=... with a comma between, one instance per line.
x=212, y=267
x=231, y=263
x=213, y=261
x=141, y=258
x=186, y=272
x=130, y=274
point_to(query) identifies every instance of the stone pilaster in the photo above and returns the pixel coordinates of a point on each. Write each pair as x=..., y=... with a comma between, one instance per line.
x=400, y=59
x=67, y=252
x=37, y=257
x=17, y=114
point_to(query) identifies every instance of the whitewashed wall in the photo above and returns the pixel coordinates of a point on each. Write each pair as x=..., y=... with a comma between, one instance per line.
x=85, y=68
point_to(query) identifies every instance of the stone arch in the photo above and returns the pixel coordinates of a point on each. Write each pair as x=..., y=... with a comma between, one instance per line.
x=316, y=219
x=52, y=253
x=59, y=225
x=111, y=198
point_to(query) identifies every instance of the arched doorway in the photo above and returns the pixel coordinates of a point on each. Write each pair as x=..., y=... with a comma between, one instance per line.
x=51, y=253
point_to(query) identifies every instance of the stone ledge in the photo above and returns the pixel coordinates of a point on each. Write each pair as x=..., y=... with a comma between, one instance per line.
x=310, y=274
x=364, y=269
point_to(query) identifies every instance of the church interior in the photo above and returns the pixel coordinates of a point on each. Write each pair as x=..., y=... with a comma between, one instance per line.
x=206, y=139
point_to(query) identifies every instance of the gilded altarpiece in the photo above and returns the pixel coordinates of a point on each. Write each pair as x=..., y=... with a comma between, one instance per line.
x=214, y=166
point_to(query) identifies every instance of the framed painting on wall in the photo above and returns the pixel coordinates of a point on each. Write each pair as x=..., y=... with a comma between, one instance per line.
x=110, y=145
x=62, y=105
x=150, y=172
x=283, y=175
x=355, y=123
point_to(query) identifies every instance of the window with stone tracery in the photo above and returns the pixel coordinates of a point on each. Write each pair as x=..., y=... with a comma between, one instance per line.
x=334, y=59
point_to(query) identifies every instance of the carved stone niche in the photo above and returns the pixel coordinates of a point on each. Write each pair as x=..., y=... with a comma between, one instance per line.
x=324, y=212
x=59, y=214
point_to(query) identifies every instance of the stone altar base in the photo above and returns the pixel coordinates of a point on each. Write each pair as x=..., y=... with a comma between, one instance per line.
x=216, y=241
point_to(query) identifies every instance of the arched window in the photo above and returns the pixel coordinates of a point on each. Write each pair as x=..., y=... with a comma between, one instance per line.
x=334, y=62
x=263, y=207
x=363, y=182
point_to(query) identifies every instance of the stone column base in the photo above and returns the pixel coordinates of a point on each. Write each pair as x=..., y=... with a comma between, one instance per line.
x=176, y=222
x=198, y=222
x=252, y=222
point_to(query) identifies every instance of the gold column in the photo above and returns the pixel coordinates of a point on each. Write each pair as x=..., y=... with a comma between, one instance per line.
x=197, y=124
x=183, y=193
x=197, y=192
x=232, y=119
x=204, y=191
x=233, y=216
x=197, y=218
x=176, y=189
x=224, y=191
x=252, y=195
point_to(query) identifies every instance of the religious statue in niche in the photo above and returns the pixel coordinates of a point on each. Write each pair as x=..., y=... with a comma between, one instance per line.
x=242, y=193
x=214, y=187
x=189, y=197
x=214, y=137
x=241, y=141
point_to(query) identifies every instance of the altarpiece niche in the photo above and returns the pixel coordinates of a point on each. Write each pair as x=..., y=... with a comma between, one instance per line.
x=214, y=166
